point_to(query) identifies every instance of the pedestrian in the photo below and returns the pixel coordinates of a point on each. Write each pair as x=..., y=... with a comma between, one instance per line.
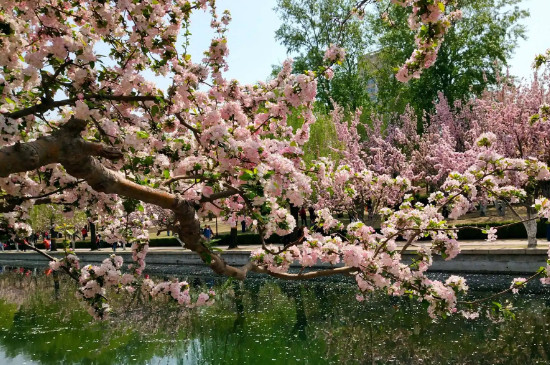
x=33, y=238
x=207, y=233
x=303, y=216
x=1, y=246
x=115, y=244
x=243, y=225
x=84, y=232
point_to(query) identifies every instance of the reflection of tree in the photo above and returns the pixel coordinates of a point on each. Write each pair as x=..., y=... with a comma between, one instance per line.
x=295, y=292
x=60, y=332
x=253, y=324
x=239, y=305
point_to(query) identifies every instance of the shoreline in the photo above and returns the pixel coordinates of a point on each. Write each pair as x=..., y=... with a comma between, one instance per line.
x=500, y=257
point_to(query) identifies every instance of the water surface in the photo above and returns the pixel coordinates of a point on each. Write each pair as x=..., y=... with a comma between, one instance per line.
x=263, y=321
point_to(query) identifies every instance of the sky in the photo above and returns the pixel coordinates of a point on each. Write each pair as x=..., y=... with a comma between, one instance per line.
x=253, y=48
x=538, y=37
x=251, y=38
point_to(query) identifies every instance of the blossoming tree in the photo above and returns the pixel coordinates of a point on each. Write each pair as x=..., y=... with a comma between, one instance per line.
x=90, y=128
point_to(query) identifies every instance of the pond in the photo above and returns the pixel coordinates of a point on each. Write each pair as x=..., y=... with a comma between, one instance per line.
x=262, y=322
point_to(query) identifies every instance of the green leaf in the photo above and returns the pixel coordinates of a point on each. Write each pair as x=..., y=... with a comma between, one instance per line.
x=10, y=100
x=155, y=110
x=246, y=175
x=142, y=134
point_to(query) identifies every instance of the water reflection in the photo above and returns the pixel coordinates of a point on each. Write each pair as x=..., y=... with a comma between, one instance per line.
x=258, y=322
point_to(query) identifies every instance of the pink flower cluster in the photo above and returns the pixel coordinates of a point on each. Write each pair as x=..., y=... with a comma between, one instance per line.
x=335, y=54
x=179, y=291
x=431, y=23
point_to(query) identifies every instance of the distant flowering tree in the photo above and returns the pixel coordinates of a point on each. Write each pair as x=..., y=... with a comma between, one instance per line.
x=84, y=124
x=510, y=119
x=513, y=119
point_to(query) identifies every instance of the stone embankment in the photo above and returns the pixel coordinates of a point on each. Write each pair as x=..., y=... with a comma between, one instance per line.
x=500, y=257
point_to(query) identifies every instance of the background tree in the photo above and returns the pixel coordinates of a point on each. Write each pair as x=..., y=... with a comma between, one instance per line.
x=42, y=217
x=475, y=49
x=308, y=28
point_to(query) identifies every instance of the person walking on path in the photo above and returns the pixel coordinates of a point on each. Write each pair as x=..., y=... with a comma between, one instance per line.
x=46, y=243
x=33, y=238
x=207, y=233
x=243, y=226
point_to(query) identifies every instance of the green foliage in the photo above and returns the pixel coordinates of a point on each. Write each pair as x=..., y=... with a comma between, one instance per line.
x=308, y=29
x=473, y=52
x=323, y=138
x=513, y=231
x=42, y=217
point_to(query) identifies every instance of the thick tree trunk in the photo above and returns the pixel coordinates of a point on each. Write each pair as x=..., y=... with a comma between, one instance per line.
x=360, y=210
x=294, y=211
x=530, y=223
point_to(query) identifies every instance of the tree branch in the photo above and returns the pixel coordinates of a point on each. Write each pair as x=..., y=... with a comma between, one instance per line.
x=52, y=104
x=307, y=275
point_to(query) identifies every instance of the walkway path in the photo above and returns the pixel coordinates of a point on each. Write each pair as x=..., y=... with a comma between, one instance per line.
x=519, y=245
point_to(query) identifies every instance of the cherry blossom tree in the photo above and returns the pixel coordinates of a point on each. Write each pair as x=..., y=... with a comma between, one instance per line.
x=374, y=167
x=85, y=127
x=514, y=114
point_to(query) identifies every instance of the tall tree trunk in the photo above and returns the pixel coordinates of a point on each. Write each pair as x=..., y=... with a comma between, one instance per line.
x=531, y=228
x=53, y=237
x=93, y=237
x=360, y=209
x=233, y=237
x=294, y=211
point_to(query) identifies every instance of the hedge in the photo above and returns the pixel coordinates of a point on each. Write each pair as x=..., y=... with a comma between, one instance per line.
x=516, y=230
x=153, y=242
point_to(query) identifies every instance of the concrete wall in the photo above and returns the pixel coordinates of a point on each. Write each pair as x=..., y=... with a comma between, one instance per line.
x=500, y=261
